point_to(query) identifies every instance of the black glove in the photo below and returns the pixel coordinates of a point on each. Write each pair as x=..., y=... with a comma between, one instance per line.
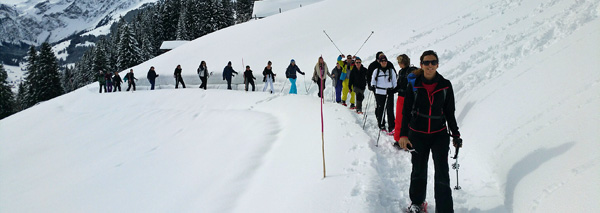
x=457, y=142
x=371, y=88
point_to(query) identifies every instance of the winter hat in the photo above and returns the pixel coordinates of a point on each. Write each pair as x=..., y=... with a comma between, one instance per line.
x=382, y=57
x=229, y=63
x=358, y=58
x=293, y=61
x=377, y=55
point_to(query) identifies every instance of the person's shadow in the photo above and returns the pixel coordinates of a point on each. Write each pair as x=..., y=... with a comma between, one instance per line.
x=521, y=169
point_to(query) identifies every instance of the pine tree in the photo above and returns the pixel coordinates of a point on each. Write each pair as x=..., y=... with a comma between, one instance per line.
x=31, y=82
x=244, y=9
x=7, y=101
x=129, y=51
x=67, y=80
x=170, y=17
x=20, y=102
x=228, y=13
x=49, y=86
x=182, y=30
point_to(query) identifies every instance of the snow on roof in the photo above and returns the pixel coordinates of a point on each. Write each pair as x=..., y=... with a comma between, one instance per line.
x=169, y=45
x=271, y=7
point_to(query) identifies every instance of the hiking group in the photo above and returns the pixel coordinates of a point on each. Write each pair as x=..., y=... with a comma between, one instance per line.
x=422, y=123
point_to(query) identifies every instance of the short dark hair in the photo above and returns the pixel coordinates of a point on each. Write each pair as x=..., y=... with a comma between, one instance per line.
x=430, y=52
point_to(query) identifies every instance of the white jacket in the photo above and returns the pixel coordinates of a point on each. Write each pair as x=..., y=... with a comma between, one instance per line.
x=381, y=80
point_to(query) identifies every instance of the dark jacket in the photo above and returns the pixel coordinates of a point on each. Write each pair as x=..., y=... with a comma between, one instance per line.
x=291, y=70
x=228, y=73
x=429, y=118
x=101, y=79
x=403, y=80
x=249, y=76
x=177, y=72
x=130, y=77
x=335, y=76
x=151, y=75
x=117, y=80
x=108, y=77
x=358, y=79
x=268, y=72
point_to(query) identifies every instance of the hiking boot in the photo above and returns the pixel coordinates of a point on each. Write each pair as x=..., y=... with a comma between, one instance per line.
x=344, y=104
x=414, y=208
x=352, y=106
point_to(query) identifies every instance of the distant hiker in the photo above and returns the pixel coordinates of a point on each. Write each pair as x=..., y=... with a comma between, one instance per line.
x=203, y=74
x=249, y=78
x=337, y=82
x=228, y=73
x=117, y=81
x=402, y=85
x=102, y=81
x=290, y=73
x=428, y=114
x=130, y=80
x=178, y=78
x=345, y=77
x=358, y=83
x=384, y=82
x=269, y=77
x=322, y=70
x=108, y=79
x=152, y=77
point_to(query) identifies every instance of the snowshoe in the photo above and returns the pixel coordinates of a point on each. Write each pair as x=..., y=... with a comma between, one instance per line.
x=359, y=112
x=414, y=208
x=391, y=133
x=344, y=104
x=352, y=106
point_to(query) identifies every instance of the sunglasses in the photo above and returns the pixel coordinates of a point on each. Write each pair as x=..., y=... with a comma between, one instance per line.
x=433, y=62
x=382, y=60
x=358, y=62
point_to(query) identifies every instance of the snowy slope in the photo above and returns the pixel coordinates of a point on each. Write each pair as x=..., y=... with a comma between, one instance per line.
x=527, y=96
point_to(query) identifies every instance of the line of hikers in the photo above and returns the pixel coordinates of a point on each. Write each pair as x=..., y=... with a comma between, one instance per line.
x=422, y=123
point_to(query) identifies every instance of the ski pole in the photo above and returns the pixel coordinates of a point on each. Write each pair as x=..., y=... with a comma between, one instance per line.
x=333, y=42
x=304, y=76
x=282, y=87
x=361, y=46
x=382, y=119
x=455, y=165
x=366, y=107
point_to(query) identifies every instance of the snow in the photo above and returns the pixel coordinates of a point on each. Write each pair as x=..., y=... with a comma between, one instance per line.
x=526, y=83
x=266, y=8
x=15, y=76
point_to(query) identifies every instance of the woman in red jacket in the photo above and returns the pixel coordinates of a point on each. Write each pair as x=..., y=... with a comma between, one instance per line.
x=426, y=113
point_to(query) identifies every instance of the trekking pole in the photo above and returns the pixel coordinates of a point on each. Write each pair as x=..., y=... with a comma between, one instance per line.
x=333, y=42
x=361, y=46
x=366, y=107
x=304, y=76
x=382, y=119
x=455, y=165
x=322, y=128
x=282, y=87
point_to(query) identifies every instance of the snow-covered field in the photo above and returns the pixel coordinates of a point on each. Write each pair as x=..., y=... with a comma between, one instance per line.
x=527, y=86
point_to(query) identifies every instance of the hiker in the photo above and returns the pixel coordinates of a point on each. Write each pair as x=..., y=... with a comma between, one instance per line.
x=290, y=73
x=228, y=73
x=358, y=83
x=384, y=83
x=178, y=78
x=130, y=77
x=268, y=76
x=402, y=84
x=428, y=113
x=322, y=70
x=345, y=77
x=249, y=78
x=203, y=74
x=102, y=81
x=117, y=81
x=151, y=77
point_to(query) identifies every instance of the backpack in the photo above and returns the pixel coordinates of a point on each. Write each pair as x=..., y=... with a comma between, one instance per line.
x=415, y=113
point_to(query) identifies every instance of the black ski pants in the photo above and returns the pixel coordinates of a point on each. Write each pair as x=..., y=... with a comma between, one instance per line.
x=438, y=144
x=117, y=86
x=101, y=86
x=388, y=101
x=177, y=80
x=203, y=85
x=251, y=82
x=131, y=82
x=360, y=96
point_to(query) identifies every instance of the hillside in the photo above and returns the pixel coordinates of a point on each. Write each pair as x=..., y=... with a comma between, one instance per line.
x=525, y=79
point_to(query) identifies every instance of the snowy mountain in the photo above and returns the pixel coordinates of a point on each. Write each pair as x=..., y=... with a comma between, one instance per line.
x=33, y=22
x=526, y=83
